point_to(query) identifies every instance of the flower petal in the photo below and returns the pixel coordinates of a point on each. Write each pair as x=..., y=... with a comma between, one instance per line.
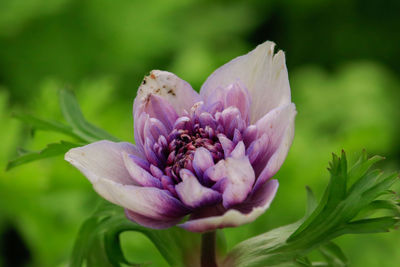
x=193, y=194
x=278, y=125
x=149, y=222
x=227, y=144
x=103, y=159
x=139, y=124
x=156, y=107
x=239, y=181
x=147, y=201
x=238, y=96
x=257, y=153
x=177, y=92
x=154, y=128
x=233, y=217
x=233, y=95
x=231, y=119
x=202, y=161
x=262, y=73
x=138, y=174
x=102, y=163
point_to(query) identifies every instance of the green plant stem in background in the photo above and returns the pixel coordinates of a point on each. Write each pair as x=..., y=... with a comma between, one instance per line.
x=208, y=250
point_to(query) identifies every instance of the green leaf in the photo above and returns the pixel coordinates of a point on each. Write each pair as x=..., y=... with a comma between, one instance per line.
x=335, y=215
x=334, y=193
x=99, y=237
x=80, y=126
x=363, y=164
x=268, y=249
x=50, y=150
x=303, y=262
x=333, y=255
x=383, y=204
x=374, y=225
x=46, y=125
x=311, y=202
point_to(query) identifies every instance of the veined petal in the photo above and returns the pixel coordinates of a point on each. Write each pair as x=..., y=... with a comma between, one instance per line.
x=278, y=125
x=264, y=75
x=102, y=163
x=156, y=107
x=154, y=128
x=139, y=124
x=193, y=194
x=147, y=201
x=231, y=119
x=246, y=213
x=238, y=96
x=177, y=92
x=138, y=174
x=257, y=153
x=227, y=144
x=239, y=151
x=202, y=161
x=239, y=181
x=103, y=159
x=233, y=95
x=150, y=222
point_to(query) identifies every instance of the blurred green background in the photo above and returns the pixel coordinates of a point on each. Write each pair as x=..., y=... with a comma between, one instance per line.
x=343, y=66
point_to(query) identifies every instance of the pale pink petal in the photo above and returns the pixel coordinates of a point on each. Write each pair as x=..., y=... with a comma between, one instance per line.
x=231, y=119
x=233, y=217
x=156, y=107
x=150, y=222
x=238, y=96
x=239, y=151
x=139, y=123
x=202, y=161
x=258, y=153
x=102, y=163
x=147, y=201
x=216, y=172
x=177, y=92
x=103, y=159
x=138, y=174
x=278, y=125
x=227, y=144
x=233, y=95
x=193, y=194
x=239, y=180
x=154, y=128
x=262, y=73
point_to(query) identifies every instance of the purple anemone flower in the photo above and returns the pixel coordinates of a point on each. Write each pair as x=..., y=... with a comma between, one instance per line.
x=207, y=157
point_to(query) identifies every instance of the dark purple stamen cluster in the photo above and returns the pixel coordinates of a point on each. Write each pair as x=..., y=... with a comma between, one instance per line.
x=182, y=147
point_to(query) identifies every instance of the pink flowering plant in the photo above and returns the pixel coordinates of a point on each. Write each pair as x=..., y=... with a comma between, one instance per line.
x=206, y=161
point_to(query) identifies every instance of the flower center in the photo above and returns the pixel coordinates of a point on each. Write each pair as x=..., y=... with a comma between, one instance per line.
x=182, y=147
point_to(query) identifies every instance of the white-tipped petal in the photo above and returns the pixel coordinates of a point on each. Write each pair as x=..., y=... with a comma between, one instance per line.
x=177, y=92
x=264, y=75
x=147, y=201
x=103, y=159
x=278, y=125
x=102, y=163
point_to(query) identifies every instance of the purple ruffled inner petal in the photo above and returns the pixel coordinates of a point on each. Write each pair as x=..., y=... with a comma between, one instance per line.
x=209, y=156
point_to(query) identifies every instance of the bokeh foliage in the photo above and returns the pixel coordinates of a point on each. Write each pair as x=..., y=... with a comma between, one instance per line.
x=343, y=66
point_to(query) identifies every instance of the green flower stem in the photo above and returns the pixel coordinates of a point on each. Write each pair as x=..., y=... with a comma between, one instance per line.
x=208, y=250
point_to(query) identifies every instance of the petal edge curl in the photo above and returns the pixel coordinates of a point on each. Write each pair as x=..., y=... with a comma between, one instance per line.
x=232, y=217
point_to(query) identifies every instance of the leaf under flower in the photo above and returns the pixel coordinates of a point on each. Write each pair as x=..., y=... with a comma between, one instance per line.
x=349, y=192
x=98, y=242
